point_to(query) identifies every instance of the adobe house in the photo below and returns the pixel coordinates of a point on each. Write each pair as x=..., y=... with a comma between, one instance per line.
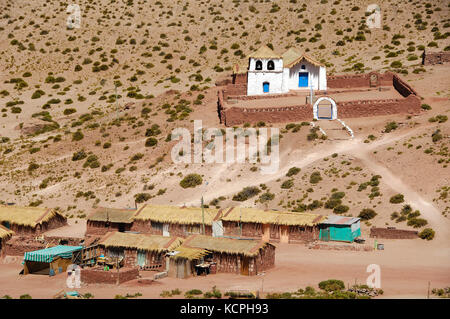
x=174, y=220
x=102, y=220
x=30, y=220
x=271, y=225
x=139, y=250
x=5, y=234
x=340, y=228
x=269, y=72
x=246, y=257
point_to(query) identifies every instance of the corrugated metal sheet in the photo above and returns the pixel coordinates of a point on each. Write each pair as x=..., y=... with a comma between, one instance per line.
x=340, y=220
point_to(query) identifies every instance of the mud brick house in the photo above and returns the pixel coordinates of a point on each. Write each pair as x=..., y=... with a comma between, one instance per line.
x=5, y=234
x=271, y=225
x=240, y=256
x=174, y=220
x=139, y=250
x=102, y=220
x=31, y=221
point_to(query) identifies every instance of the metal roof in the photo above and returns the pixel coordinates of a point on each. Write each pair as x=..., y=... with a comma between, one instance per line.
x=340, y=220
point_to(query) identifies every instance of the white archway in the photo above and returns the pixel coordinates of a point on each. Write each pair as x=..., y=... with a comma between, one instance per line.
x=333, y=108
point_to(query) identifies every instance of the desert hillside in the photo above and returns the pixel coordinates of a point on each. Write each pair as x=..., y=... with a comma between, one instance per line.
x=66, y=142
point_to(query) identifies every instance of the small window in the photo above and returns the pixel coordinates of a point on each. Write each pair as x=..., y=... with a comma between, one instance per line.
x=303, y=67
x=270, y=65
x=258, y=65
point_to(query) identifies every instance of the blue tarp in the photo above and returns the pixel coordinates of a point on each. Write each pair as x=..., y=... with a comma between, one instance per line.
x=47, y=255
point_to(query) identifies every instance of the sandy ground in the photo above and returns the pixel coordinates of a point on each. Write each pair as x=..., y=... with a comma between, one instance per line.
x=406, y=268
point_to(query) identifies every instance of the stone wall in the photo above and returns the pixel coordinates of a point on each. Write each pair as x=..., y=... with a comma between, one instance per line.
x=179, y=230
x=99, y=276
x=299, y=234
x=392, y=233
x=340, y=246
x=264, y=261
x=359, y=80
x=18, y=245
x=431, y=58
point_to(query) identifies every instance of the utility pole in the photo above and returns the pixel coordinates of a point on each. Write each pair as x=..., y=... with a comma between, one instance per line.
x=203, y=217
x=240, y=222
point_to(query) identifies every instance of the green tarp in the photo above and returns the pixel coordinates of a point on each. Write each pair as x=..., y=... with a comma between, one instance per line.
x=47, y=255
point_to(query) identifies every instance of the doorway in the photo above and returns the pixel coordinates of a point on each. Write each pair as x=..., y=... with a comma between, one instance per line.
x=303, y=79
x=266, y=87
x=245, y=266
x=284, y=234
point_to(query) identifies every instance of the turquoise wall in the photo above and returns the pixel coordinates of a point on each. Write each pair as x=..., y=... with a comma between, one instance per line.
x=340, y=233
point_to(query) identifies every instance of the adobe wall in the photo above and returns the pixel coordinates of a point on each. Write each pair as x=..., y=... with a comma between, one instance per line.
x=366, y=108
x=100, y=228
x=298, y=234
x=174, y=229
x=99, y=276
x=359, y=80
x=431, y=58
x=389, y=233
x=240, y=78
x=265, y=260
x=19, y=245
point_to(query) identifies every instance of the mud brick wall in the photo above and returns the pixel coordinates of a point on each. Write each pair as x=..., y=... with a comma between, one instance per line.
x=101, y=228
x=227, y=263
x=299, y=234
x=141, y=226
x=388, y=233
x=239, y=78
x=99, y=276
x=334, y=246
x=365, y=108
x=249, y=230
x=263, y=261
x=2, y=251
x=17, y=246
x=431, y=58
x=53, y=223
x=274, y=233
x=358, y=80
x=402, y=87
x=234, y=89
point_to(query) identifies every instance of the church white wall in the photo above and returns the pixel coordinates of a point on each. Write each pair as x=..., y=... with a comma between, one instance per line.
x=255, y=82
x=278, y=64
x=293, y=73
x=323, y=78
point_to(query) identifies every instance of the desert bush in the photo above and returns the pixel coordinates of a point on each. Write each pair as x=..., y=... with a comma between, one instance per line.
x=287, y=184
x=315, y=177
x=396, y=199
x=390, y=127
x=191, y=180
x=151, y=141
x=142, y=197
x=77, y=136
x=246, y=193
x=331, y=285
x=293, y=171
x=417, y=222
x=367, y=213
x=427, y=234
x=79, y=155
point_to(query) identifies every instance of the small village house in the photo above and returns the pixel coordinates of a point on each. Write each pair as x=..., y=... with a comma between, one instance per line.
x=240, y=256
x=174, y=220
x=340, y=228
x=138, y=250
x=268, y=72
x=30, y=220
x=102, y=220
x=5, y=234
x=49, y=261
x=271, y=225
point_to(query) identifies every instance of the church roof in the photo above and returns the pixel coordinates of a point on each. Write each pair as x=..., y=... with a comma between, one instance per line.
x=264, y=52
x=292, y=57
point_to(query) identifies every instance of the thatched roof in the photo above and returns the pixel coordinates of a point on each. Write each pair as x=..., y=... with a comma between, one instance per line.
x=292, y=57
x=253, y=215
x=5, y=233
x=140, y=241
x=176, y=214
x=247, y=247
x=27, y=216
x=190, y=253
x=113, y=215
x=264, y=52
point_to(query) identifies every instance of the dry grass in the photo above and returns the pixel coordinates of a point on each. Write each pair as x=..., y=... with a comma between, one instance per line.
x=27, y=216
x=140, y=241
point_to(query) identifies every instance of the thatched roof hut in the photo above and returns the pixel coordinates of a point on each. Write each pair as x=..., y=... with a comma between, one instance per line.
x=246, y=247
x=113, y=215
x=253, y=215
x=176, y=214
x=20, y=218
x=140, y=241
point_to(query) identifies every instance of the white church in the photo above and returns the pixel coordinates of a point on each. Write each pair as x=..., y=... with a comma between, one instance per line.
x=269, y=72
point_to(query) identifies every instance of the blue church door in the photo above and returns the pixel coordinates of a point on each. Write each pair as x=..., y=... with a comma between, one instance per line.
x=303, y=79
x=266, y=87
